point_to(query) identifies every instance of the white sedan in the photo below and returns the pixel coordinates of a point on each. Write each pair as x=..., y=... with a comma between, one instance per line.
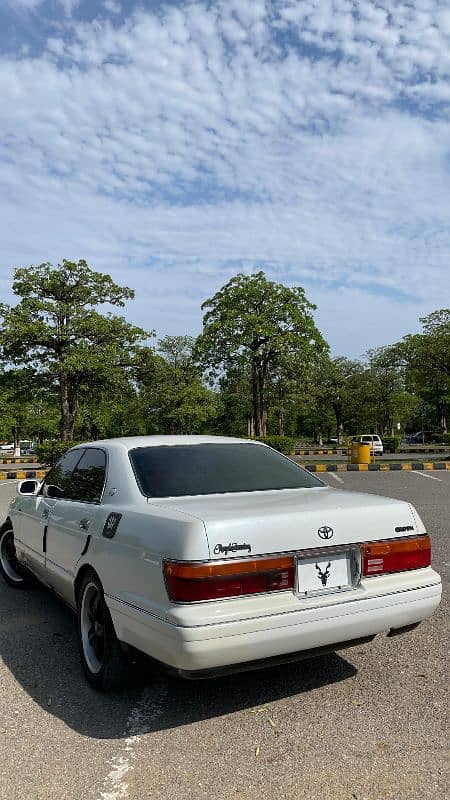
x=214, y=554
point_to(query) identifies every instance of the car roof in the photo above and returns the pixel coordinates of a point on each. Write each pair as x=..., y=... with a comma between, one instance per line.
x=132, y=442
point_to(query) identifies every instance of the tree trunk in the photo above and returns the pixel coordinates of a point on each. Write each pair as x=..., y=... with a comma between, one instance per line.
x=337, y=408
x=255, y=402
x=280, y=421
x=68, y=405
x=264, y=419
x=442, y=420
x=258, y=402
x=16, y=434
x=262, y=402
x=250, y=425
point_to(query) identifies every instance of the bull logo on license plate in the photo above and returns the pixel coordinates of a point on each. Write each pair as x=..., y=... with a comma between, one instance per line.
x=324, y=575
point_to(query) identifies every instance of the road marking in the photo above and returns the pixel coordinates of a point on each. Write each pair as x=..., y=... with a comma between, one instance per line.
x=149, y=707
x=336, y=477
x=8, y=482
x=425, y=475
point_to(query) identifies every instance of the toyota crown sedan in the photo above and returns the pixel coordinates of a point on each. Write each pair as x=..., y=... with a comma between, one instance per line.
x=214, y=554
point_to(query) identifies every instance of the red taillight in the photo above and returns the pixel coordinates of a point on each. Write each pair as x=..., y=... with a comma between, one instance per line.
x=396, y=555
x=193, y=582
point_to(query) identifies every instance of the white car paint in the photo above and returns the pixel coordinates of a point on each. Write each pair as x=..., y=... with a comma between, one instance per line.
x=376, y=445
x=227, y=632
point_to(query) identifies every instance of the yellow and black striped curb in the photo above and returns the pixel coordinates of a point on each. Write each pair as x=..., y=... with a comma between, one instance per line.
x=21, y=460
x=343, y=451
x=424, y=449
x=401, y=466
x=21, y=474
x=340, y=451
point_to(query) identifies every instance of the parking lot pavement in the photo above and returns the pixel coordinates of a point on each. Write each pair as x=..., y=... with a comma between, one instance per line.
x=387, y=457
x=368, y=724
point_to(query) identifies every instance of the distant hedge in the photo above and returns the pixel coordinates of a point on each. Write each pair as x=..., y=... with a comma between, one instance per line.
x=48, y=453
x=284, y=444
x=391, y=443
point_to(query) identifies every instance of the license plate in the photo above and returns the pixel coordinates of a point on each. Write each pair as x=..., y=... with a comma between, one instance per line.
x=323, y=574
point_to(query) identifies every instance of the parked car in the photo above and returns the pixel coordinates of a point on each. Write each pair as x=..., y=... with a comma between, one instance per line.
x=376, y=445
x=27, y=448
x=213, y=554
x=7, y=447
x=421, y=437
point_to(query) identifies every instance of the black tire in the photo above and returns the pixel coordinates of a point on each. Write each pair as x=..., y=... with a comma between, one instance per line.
x=104, y=662
x=10, y=570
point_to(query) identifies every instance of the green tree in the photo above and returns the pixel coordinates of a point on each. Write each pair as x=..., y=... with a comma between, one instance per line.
x=172, y=395
x=255, y=324
x=336, y=379
x=426, y=359
x=378, y=397
x=56, y=331
x=234, y=415
x=16, y=394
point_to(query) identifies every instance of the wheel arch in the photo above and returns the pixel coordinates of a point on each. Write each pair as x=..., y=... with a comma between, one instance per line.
x=7, y=522
x=84, y=570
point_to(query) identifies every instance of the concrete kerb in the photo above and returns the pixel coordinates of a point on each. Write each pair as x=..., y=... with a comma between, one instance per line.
x=21, y=474
x=322, y=452
x=339, y=451
x=400, y=466
x=21, y=460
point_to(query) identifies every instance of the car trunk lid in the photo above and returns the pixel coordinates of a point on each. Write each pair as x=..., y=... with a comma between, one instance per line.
x=260, y=523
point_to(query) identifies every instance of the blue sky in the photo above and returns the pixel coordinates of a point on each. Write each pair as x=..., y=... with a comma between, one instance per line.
x=174, y=144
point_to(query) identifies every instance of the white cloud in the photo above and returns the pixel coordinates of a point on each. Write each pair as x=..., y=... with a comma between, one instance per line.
x=30, y=5
x=183, y=146
x=21, y=5
x=112, y=6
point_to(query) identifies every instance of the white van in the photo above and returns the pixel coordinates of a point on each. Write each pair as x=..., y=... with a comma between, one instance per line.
x=376, y=448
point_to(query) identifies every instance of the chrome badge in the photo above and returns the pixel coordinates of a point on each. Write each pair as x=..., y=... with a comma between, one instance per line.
x=325, y=532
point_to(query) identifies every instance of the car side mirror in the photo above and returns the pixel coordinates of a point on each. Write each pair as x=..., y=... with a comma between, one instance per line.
x=54, y=492
x=28, y=487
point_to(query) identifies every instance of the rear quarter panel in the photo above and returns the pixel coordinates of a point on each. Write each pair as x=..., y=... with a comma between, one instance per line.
x=130, y=565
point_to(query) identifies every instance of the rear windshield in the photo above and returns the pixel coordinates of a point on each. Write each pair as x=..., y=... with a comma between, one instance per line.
x=178, y=470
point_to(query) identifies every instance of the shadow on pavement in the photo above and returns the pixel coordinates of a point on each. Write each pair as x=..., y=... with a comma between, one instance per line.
x=38, y=645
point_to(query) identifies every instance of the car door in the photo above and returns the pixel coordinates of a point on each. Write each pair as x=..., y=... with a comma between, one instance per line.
x=73, y=520
x=34, y=513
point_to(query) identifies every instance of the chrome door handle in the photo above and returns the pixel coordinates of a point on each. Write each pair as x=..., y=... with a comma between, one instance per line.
x=84, y=524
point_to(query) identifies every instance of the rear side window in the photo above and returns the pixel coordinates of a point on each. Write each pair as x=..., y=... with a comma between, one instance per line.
x=201, y=469
x=88, y=478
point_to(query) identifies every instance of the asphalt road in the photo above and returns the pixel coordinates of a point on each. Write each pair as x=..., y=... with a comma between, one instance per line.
x=415, y=457
x=368, y=724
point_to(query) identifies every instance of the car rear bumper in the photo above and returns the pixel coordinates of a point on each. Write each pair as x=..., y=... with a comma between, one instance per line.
x=212, y=647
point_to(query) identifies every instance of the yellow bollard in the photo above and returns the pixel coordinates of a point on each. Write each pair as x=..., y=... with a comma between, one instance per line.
x=360, y=453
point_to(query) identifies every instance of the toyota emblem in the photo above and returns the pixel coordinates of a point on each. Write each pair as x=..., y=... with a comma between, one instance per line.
x=325, y=532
